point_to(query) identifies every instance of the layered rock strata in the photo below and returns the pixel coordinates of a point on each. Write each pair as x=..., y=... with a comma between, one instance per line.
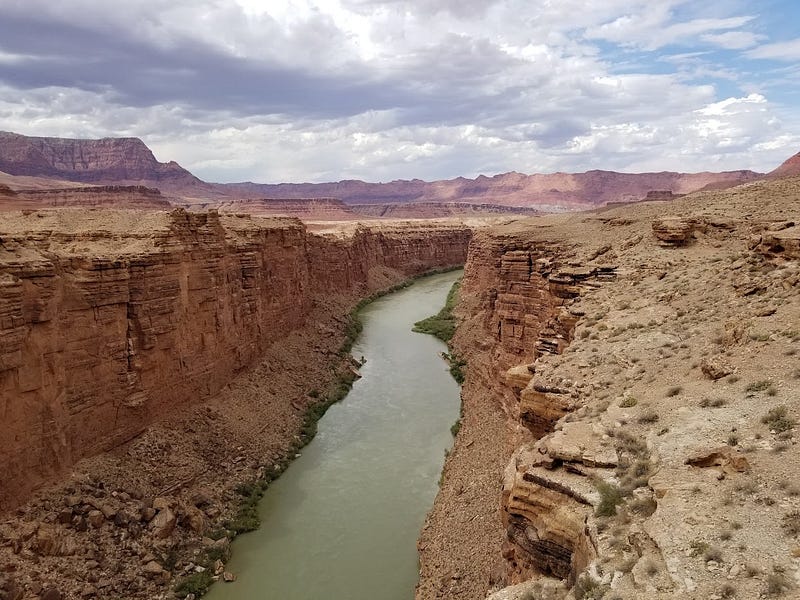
x=644, y=416
x=110, y=320
x=108, y=196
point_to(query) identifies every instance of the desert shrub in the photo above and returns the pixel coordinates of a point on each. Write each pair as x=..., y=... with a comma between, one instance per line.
x=196, y=583
x=777, y=584
x=791, y=523
x=587, y=588
x=610, y=497
x=648, y=417
x=712, y=553
x=698, y=547
x=758, y=386
x=628, y=402
x=778, y=419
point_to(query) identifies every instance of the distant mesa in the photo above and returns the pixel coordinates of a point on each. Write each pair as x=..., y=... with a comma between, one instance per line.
x=662, y=195
x=128, y=161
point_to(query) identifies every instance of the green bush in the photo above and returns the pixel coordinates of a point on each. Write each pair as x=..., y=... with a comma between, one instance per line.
x=443, y=324
x=778, y=419
x=196, y=583
x=610, y=497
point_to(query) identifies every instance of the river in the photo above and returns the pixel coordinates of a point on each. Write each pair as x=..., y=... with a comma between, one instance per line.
x=342, y=522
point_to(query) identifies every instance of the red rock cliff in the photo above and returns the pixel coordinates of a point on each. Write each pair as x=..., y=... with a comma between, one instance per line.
x=108, y=320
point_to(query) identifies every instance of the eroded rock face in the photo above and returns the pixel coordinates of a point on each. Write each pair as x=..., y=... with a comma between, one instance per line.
x=782, y=241
x=113, y=319
x=90, y=161
x=674, y=231
x=108, y=196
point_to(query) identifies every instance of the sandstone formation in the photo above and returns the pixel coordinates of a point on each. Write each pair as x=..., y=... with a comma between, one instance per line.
x=109, y=196
x=636, y=395
x=321, y=209
x=108, y=160
x=114, y=319
x=436, y=210
x=675, y=231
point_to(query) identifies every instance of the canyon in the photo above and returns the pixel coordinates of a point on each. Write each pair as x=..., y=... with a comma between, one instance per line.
x=133, y=343
x=629, y=408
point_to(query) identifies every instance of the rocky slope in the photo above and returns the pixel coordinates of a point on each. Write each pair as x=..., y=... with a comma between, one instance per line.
x=630, y=404
x=149, y=361
x=789, y=168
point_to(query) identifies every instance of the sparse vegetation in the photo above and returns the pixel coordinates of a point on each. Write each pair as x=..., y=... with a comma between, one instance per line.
x=758, y=386
x=610, y=497
x=649, y=416
x=778, y=419
x=712, y=402
x=791, y=523
x=587, y=588
x=777, y=584
x=443, y=324
x=628, y=402
x=712, y=553
x=196, y=583
x=698, y=547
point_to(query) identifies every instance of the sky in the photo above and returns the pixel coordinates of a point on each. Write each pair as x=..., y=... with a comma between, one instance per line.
x=325, y=90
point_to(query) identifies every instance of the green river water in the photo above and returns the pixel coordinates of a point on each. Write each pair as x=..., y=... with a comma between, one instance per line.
x=342, y=522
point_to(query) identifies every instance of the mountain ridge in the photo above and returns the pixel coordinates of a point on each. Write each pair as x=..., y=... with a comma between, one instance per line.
x=129, y=161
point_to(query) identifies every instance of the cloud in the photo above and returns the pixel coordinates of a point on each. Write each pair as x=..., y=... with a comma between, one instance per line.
x=315, y=90
x=732, y=40
x=785, y=51
x=652, y=30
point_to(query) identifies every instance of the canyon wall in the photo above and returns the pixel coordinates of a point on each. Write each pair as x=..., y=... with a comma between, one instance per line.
x=617, y=394
x=107, y=196
x=111, y=319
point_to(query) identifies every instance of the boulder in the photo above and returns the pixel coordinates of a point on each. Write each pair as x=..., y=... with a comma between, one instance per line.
x=674, y=231
x=95, y=519
x=163, y=523
x=715, y=368
x=725, y=457
x=153, y=570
